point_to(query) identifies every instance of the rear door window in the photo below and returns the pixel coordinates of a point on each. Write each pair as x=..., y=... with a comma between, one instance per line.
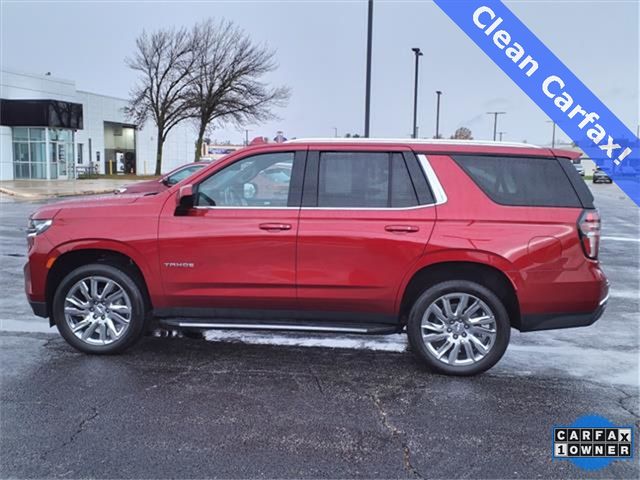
x=521, y=181
x=353, y=179
x=364, y=180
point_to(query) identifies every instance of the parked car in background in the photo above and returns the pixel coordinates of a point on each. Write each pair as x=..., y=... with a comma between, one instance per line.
x=453, y=242
x=166, y=181
x=600, y=176
x=580, y=168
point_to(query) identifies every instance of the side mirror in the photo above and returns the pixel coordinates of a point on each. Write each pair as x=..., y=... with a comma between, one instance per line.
x=184, y=200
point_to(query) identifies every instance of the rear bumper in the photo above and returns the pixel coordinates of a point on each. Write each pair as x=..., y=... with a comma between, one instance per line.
x=39, y=309
x=553, y=321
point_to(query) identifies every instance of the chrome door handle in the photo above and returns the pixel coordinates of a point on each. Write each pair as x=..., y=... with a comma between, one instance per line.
x=275, y=227
x=401, y=228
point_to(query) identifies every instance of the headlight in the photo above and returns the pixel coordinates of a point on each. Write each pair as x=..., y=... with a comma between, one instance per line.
x=36, y=227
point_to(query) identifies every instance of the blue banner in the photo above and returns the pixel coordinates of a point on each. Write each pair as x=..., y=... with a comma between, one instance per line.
x=552, y=86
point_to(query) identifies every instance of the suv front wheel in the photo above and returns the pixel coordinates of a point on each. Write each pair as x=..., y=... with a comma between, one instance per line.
x=459, y=327
x=99, y=309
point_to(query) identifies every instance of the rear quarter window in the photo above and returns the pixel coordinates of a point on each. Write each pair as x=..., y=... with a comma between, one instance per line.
x=521, y=181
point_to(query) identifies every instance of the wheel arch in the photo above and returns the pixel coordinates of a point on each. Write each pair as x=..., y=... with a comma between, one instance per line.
x=72, y=258
x=483, y=273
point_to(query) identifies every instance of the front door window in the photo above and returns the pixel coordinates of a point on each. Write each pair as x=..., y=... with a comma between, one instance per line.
x=257, y=181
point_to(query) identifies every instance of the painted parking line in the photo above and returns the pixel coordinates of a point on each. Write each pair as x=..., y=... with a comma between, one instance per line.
x=621, y=239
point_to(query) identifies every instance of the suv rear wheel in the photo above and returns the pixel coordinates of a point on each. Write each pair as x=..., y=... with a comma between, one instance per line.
x=99, y=309
x=459, y=328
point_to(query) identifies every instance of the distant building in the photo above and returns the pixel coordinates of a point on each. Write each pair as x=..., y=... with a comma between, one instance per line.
x=51, y=130
x=214, y=151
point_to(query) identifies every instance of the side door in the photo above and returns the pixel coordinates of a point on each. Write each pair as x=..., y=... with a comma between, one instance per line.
x=366, y=218
x=236, y=247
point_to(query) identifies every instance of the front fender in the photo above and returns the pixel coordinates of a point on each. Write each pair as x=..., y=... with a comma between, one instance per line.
x=148, y=269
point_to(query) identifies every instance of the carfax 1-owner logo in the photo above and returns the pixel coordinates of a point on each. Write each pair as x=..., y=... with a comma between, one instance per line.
x=592, y=442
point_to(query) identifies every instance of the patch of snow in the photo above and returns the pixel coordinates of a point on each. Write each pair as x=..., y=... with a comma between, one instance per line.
x=386, y=343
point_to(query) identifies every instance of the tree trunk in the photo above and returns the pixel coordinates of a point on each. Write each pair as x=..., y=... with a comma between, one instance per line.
x=201, y=131
x=159, y=152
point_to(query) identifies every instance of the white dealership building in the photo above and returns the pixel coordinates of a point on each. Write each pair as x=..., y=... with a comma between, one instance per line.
x=51, y=130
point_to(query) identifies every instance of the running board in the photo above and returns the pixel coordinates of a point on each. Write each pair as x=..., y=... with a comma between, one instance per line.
x=298, y=327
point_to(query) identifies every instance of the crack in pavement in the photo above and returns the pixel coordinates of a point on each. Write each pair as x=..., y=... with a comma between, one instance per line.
x=72, y=438
x=399, y=434
x=622, y=400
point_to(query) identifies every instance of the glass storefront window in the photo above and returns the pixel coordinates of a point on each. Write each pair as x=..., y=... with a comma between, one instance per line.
x=60, y=135
x=21, y=152
x=20, y=134
x=38, y=160
x=36, y=134
x=29, y=153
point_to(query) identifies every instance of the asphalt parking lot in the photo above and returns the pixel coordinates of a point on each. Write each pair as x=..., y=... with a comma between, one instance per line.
x=301, y=406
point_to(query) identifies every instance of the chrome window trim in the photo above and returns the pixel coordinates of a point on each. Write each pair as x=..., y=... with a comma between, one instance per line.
x=439, y=194
x=239, y=207
x=314, y=208
x=416, y=207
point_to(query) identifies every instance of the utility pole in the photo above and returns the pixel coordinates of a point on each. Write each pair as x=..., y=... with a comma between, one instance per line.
x=367, y=101
x=438, y=93
x=553, y=133
x=495, y=122
x=501, y=133
x=335, y=132
x=418, y=54
x=246, y=137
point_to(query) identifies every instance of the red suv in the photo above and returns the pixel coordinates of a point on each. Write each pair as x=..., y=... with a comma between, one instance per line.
x=454, y=242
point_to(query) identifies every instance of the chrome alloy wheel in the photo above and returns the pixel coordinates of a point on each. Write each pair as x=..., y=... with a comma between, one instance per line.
x=458, y=329
x=97, y=310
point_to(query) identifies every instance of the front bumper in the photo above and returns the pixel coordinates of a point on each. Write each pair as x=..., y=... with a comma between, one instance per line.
x=553, y=321
x=38, y=305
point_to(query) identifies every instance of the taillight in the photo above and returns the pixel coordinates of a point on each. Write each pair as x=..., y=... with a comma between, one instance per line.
x=589, y=228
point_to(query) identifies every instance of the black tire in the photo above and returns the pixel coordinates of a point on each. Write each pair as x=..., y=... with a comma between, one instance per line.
x=124, y=279
x=502, y=327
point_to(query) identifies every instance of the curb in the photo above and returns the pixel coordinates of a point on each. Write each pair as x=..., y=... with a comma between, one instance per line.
x=42, y=196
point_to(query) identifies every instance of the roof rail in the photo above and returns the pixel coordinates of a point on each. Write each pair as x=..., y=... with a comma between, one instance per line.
x=422, y=141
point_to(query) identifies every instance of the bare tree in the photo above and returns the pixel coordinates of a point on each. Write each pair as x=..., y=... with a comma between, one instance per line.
x=164, y=59
x=225, y=84
x=462, y=133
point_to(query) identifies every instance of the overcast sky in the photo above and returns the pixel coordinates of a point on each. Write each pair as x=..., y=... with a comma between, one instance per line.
x=321, y=50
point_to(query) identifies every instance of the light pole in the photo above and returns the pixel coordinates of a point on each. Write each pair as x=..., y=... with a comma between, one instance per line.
x=553, y=133
x=367, y=98
x=418, y=54
x=335, y=132
x=495, y=122
x=501, y=133
x=438, y=93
